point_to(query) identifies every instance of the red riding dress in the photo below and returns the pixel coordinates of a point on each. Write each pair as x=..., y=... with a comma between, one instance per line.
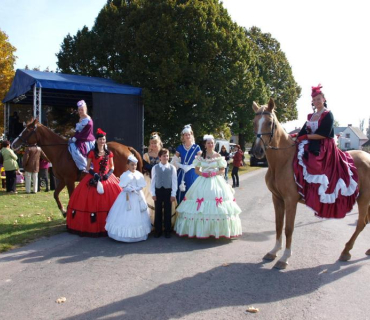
x=326, y=177
x=87, y=209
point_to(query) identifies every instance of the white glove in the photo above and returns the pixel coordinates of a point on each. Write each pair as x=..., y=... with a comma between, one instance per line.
x=73, y=139
x=128, y=188
x=176, y=161
x=136, y=188
x=186, y=168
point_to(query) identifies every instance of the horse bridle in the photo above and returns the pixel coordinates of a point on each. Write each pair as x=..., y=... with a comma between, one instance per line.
x=24, y=140
x=271, y=133
x=25, y=143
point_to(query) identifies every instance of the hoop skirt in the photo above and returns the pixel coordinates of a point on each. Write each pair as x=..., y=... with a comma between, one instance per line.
x=87, y=209
x=327, y=182
x=209, y=208
x=127, y=220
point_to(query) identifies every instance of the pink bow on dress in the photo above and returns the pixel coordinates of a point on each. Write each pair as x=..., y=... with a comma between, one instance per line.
x=199, y=201
x=218, y=201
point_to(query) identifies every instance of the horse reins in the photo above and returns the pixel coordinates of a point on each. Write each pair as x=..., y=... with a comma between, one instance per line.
x=271, y=133
x=25, y=143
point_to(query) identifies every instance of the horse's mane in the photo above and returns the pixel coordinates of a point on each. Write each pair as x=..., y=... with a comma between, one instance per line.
x=50, y=131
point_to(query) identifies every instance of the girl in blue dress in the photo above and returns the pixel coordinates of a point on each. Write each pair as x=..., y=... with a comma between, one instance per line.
x=183, y=161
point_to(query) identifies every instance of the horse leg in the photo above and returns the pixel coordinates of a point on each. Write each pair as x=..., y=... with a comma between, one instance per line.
x=363, y=211
x=279, y=222
x=291, y=209
x=60, y=185
x=368, y=221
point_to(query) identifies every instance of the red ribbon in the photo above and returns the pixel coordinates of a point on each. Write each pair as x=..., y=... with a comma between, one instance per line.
x=218, y=201
x=199, y=201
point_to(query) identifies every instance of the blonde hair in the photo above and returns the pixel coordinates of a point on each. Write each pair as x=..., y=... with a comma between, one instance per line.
x=192, y=137
x=154, y=136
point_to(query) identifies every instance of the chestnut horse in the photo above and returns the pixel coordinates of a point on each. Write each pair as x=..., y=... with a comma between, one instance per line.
x=279, y=148
x=65, y=170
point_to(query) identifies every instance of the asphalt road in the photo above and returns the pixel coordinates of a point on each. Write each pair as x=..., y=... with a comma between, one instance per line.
x=182, y=278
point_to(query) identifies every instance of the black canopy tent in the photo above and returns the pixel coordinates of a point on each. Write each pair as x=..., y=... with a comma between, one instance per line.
x=117, y=108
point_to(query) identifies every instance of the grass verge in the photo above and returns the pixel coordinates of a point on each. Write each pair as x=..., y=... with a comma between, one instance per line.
x=27, y=217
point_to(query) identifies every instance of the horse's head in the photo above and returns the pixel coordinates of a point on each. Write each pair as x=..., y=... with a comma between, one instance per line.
x=28, y=135
x=264, y=126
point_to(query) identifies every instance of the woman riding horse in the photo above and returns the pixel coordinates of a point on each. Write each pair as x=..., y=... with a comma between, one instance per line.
x=56, y=149
x=83, y=140
x=280, y=149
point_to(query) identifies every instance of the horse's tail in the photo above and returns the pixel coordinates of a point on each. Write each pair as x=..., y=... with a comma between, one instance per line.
x=138, y=157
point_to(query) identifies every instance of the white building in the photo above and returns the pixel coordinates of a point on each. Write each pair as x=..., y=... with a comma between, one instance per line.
x=351, y=138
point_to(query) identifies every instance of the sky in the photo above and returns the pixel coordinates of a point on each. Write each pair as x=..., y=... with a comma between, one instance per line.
x=324, y=41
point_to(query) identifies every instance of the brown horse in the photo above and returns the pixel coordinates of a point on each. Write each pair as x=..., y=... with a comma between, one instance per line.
x=56, y=149
x=279, y=148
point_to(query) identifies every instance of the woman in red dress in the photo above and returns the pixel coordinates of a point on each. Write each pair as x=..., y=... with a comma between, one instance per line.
x=326, y=176
x=87, y=208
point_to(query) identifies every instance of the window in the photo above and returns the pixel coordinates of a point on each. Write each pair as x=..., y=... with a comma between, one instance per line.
x=347, y=145
x=348, y=135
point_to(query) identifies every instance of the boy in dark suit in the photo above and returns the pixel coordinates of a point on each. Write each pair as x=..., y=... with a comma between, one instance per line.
x=163, y=189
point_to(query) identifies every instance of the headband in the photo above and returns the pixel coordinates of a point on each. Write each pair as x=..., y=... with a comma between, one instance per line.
x=208, y=137
x=154, y=135
x=187, y=129
x=81, y=103
x=132, y=158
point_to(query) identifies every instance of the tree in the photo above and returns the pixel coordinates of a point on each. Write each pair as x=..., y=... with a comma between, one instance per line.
x=362, y=124
x=194, y=64
x=274, y=78
x=187, y=56
x=368, y=130
x=7, y=60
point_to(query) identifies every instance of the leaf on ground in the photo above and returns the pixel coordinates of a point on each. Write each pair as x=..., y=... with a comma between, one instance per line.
x=252, y=310
x=61, y=300
x=225, y=264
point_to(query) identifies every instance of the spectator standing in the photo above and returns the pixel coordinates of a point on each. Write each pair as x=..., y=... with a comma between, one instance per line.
x=237, y=163
x=226, y=155
x=10, y=166
x=31, y=165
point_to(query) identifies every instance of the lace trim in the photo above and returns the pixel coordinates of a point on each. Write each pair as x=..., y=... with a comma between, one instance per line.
x=323, y=180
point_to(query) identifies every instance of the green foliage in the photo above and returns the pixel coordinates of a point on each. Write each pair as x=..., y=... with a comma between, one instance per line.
x=272, y=77
x=7, y=60
x=194, y=64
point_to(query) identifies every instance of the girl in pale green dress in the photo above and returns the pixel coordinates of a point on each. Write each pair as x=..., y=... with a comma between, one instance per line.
x=209, y=208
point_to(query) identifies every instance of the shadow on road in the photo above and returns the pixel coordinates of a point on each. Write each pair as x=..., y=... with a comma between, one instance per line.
x=235, y=285
x=79, y=249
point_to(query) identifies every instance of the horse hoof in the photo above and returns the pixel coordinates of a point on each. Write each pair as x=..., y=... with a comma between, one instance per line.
x=64, y=213
x=269, y=257
x=345, y=257
x=280, y=265
x=368, y=252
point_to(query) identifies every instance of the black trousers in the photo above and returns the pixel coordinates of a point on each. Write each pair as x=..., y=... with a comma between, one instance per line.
x=11, y=180
x=235, y=176
x=52, y=179
x=163, y=201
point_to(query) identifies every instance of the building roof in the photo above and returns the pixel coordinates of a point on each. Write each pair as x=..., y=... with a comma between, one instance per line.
x=338, y=130
x=24, y=81
x=359, y=133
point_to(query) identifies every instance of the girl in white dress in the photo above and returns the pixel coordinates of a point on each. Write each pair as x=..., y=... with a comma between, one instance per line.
x=128, y=219
x=209, y=208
